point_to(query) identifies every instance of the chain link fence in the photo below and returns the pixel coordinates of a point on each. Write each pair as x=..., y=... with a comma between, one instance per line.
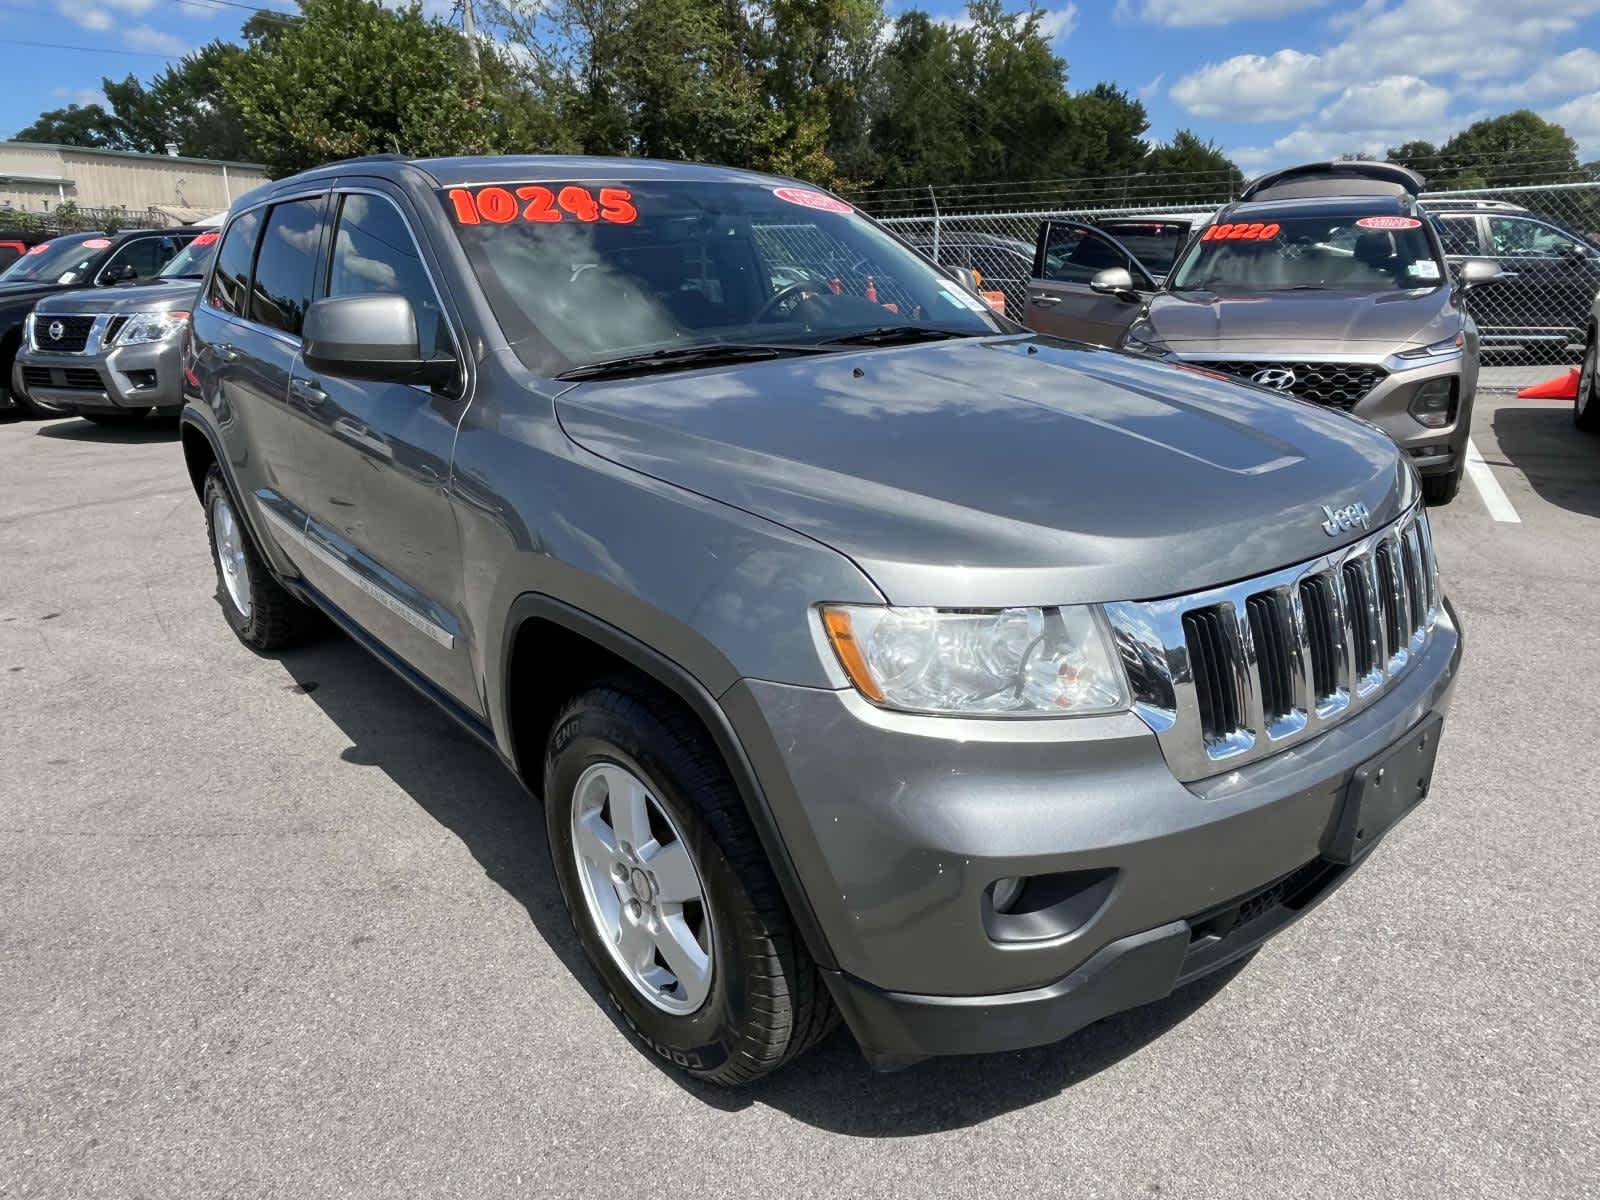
x=1545, y=237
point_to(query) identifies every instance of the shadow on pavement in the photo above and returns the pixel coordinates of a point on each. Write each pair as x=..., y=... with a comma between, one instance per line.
x=141, y=433
x=1560, y=461
x=466, y=789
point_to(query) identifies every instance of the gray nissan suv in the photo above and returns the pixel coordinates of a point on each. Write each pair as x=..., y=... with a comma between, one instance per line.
x=872, y=655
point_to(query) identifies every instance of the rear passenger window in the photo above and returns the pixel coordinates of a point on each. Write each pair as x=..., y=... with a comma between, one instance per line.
x=232, y=274
x=374, y=254
x=286, y=265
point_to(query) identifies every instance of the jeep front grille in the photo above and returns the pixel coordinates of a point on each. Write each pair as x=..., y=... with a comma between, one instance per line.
x=1236, y=673
x=1337, y=384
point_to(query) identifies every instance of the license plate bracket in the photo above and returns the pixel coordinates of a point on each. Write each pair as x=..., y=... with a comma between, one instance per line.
x=1383, y=790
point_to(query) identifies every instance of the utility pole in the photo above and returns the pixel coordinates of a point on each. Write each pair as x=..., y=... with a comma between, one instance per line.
x=469, y=27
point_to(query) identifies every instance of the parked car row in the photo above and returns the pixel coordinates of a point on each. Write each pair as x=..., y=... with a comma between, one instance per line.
x=75, y=337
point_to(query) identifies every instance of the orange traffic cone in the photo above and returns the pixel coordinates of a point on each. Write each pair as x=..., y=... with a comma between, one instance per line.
x=1562, y=387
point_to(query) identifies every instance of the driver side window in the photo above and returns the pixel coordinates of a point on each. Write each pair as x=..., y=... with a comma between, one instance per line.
x=1073, y=254
x=1518, y=236
x=374, y=254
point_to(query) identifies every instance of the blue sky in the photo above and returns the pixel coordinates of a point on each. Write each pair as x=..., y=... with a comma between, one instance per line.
x=1272, y=81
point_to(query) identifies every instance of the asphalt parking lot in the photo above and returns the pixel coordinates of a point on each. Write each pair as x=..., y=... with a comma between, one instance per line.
x=272, y=927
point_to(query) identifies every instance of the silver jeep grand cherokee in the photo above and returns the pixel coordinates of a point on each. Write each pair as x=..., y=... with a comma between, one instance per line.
x=871, y=654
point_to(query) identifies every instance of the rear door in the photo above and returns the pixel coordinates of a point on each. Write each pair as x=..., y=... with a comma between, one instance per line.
x=1060, y=300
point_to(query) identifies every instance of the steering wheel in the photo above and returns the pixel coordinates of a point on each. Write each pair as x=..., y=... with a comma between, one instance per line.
x=781, y=295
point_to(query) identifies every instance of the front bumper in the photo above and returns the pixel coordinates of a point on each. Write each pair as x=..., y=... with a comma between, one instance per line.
x=145, y=375
x=1433, y=451
x=899, y=825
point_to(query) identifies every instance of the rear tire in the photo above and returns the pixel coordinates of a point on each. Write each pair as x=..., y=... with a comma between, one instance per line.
x=759, y=1001
x=257, y=608
x=1586, y=405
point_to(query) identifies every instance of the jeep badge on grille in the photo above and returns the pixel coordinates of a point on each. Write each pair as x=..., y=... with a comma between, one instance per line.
x=1343, y=520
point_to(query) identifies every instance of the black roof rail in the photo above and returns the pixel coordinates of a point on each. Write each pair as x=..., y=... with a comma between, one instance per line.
x=1339, y=178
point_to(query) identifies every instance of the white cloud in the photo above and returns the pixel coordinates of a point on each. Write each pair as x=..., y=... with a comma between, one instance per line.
x=88, y=16
x=1366, y=119
x=143, y=37
x=1253, y=87
x=1054, y=23
x=133, y=6
x=1153, y=88
x=1580, y=117
x=1575, y=71
x=1188, y=13
x=1468, y=40
x=83, y=96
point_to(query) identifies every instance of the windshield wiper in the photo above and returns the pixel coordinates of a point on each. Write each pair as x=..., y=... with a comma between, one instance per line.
x=682, y=357
x=886, y=335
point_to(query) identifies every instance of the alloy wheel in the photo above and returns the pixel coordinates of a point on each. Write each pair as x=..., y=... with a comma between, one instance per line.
x=641, y=888
x=228, y=535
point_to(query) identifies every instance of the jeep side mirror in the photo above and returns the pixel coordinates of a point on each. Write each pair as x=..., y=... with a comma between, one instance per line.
x=1475, y=272
x=371, y=337
x=1115, y=281
x=966, y=277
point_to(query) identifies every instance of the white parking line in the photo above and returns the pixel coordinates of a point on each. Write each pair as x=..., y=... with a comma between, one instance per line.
x=1494, y=496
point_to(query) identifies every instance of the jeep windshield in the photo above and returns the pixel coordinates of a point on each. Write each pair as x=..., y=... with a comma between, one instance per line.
x=1293, y=252
x=588, y=274
x=60, y=260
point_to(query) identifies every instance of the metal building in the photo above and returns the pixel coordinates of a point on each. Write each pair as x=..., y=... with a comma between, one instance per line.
x=36, y=177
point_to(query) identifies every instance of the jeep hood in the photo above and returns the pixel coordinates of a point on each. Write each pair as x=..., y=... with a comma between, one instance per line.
x=1003, y=471
x=1303, y=322
x=164, y=296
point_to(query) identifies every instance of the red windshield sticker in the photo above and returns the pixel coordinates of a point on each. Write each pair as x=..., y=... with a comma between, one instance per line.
x=97, y=243
x=1389, y=223
x=1242, y=231
x=40, y=248
x=806, y=198
x=205, y=239
x=542, y=205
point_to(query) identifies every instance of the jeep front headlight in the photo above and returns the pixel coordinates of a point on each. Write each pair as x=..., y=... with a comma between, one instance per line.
x=150, y=327
x=999, y=662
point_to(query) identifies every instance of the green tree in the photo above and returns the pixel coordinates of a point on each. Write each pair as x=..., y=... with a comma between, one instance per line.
x=184, y=106
x=351, y=78
x=76, y=125
x=1515, y=148
x=1189, y=168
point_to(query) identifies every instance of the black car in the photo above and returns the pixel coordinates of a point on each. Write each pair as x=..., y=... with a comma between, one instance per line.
x=1551, y=272
x=74, y=260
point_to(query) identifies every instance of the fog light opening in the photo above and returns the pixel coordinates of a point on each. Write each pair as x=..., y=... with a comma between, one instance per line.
x=1434, y=405
x=1004, y=893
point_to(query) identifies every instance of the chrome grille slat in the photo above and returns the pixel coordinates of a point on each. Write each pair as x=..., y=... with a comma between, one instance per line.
x=1229, y=675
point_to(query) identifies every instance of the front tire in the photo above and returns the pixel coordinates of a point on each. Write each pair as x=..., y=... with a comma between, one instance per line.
x=669, y=890
x=1441, y=489
x=257, y=609
x=1586, y=405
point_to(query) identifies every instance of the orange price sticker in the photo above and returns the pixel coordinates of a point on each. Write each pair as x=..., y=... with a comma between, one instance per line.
x=542, y=205
x=1253, y=231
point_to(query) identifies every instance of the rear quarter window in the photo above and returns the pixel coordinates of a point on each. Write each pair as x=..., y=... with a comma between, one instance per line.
x=231, y=278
